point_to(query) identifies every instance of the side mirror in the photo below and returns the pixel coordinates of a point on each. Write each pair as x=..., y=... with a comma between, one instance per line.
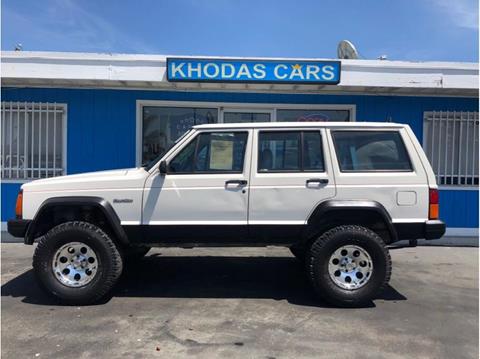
x=162, y=168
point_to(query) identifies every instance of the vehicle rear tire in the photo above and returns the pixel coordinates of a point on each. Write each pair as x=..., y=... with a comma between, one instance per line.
x=77, y=262
x=349, y=265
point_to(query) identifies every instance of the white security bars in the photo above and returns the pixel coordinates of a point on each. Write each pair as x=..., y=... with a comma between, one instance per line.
x=450, y=140
x=33, y=140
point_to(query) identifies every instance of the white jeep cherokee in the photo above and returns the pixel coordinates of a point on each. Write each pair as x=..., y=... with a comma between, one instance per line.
x=336, y=194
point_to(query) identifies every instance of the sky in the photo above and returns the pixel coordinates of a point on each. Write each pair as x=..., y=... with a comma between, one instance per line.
x=416, y=30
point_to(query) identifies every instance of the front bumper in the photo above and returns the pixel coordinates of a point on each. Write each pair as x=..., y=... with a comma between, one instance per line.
x=18, y=227
x=431, y=229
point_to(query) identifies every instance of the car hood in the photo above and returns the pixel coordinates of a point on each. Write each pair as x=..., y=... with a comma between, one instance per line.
x=123, y=178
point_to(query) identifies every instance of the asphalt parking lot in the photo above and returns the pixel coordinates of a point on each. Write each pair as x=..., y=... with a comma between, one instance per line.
x=249, y=303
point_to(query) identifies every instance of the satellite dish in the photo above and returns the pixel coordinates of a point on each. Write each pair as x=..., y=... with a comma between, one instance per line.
x=346, y=50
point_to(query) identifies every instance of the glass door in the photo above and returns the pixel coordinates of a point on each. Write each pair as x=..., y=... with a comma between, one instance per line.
x=246, y=115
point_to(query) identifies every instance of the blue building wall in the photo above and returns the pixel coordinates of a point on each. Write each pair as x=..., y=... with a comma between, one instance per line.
x=102, y=124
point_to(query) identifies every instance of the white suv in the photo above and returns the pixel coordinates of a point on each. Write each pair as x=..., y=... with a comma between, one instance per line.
x=336, y=194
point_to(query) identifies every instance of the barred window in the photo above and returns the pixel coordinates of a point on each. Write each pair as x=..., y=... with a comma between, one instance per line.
x=450, y=140
x=33, y=143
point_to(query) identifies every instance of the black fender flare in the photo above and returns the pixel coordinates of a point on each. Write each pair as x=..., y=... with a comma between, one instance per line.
x=330, y=206
x=103, y=205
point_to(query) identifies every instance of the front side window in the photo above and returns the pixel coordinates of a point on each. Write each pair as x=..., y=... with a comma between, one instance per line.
x=214, y=152
x=290, y=151
x=363, y=151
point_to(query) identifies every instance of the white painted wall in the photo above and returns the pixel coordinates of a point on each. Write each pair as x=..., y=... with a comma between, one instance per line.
x=149, y=71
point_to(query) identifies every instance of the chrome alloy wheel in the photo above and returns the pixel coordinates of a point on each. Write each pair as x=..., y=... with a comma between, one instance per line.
x=75, y=264
x=350, y=267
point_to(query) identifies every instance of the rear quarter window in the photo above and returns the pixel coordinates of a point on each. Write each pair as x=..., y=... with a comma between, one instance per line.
x=370, y=151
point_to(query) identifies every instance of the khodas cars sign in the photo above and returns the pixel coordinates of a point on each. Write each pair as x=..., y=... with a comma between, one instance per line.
x=262, y=71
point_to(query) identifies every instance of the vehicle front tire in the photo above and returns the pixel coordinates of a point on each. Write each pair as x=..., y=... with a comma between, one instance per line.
x=349, y=265
x=77, y=262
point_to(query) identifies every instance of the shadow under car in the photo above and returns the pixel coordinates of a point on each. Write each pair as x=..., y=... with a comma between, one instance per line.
x=278, y=278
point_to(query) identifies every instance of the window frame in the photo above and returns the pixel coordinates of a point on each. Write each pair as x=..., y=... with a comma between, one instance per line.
x=42, y=108
x=228, y=106
x=351, y=111
x=398, y=132
x=222, y=111
x=196, y=138
x=169, y=145
x=451, y=119
x=301, y=154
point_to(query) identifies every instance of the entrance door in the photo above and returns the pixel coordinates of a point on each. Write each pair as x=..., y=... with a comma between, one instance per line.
x=203, y=198
x=233, y=115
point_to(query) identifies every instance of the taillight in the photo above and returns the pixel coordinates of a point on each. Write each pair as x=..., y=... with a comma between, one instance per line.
x=19, y=205
x=433, y=204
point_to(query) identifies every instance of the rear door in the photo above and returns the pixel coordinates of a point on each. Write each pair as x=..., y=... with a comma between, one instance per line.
x=291, y=174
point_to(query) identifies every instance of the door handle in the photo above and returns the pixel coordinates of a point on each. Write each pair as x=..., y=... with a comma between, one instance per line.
x=317, y=180
x=238, y=182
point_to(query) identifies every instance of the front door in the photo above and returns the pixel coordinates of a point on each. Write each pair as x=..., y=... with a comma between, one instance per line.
x=204, y=196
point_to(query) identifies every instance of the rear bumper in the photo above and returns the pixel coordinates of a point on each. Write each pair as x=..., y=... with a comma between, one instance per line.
x=431, y=229
x=434, y=229
x=18, y=227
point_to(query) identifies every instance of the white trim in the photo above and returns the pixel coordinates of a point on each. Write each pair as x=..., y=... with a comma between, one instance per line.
x=232, y=223
x=161, y=58
x=24, y=68
x=64, y=144
x=130, y=223
x=277, y=222
x=193, y=223
x=17, y=181
x=408, y=220
x=139, y=132
x=461, y=232
x=344, y=91
x=228, y=106
x=250, y=105
x=452, y=232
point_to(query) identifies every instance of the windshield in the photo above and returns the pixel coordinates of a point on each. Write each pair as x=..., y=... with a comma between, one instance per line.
x=148, y=165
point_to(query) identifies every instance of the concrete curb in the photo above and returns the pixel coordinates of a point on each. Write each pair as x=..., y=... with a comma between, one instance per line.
x=446, y=241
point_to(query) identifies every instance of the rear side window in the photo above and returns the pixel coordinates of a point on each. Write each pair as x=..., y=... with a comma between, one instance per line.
x=290, y=151
x=363, y=151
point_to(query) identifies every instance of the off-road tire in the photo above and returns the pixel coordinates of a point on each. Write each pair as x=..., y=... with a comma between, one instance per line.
x=320, y=253
x=110, y=262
